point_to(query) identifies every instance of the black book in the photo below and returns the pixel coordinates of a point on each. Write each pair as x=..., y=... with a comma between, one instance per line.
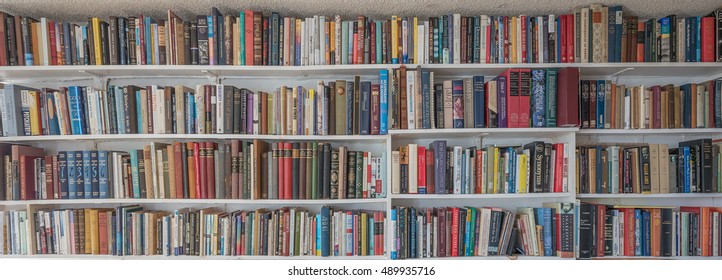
x=187, y=42
x=547, y=167
x=194, y=43
x=584, y=108
x=202, y=30
x=537, y=164
x=113, y=41
x=184, y=162
x=645, y=172
x=90, y=45
x=10, y=31
x=412, y=233
x=608, y=232
x=351, y=175
x=131, y=54
x=228, y=108
x=141, y=173
x=583, y=174
x=244, y=107
x=494, y=230
x=365, y=109
x=334, y=174
x=129, y=109
x=667, y=233
x=439, y=105
x=236, y=110
x=585, y=230
x=703, y=163
x=357, y=105
x=594, y=230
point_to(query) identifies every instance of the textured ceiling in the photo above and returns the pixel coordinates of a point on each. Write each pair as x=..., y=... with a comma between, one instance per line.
x=80, y=9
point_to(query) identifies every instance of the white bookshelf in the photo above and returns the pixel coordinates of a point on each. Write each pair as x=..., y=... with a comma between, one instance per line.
x=269, y=77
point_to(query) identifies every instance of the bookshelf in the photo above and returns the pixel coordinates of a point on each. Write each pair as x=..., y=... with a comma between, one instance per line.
x=269, y=77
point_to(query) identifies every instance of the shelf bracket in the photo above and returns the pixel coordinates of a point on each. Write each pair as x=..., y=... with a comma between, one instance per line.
x=213, y=77
x=616, y=74
x=101, y=81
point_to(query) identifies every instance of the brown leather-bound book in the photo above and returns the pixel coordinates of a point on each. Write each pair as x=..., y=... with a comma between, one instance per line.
x=169, y=150
x=259, y=148
x=80, y=242
x=191, y=162
x=331, y=120
x=103, y=231
x=148, y=166
x=568, y=97
x=264, y=112
x=34, y=36
x=210, y=171
x=49, y=190
x=201, y=180
x=257, y=38
x=177, y=164
x=668, y=95
x=25, y=156
x=375, y=110
x=402, y=109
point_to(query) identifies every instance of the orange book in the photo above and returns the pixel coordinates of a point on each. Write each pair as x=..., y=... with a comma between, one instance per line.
x=103, y=232
x=656, y=231
x=171, y=172
x=248, y=30
x=177, y=169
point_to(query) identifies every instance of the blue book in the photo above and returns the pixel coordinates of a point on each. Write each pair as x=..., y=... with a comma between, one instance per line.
x=350, y=93
x=697, y=36
x=122, y=37
x=87, y=175
x=638, y=232
x=135, y=156
x=394, y=246
x=79, y=175
x=103, y=175
x=618, y=25
x=467, y=233
x=687, y=169
x=190, y=113
x=94, y=176
x=547, y=227
x=688, y=40
x=66, y=39
x=558, y=42
x=365, y=113
x=413, y=252
x=512, y=171
x=601, y=89
x=318, y=236
x=501, y=101
x=84, y=34
x=52, y=119
x=500, y=43
x=120, y=113
x=139, y=110
x=212, y=60
x=273, y=40
x=72, y=183
x=718, y=103
x=77, y=114
x=63, y=174
x=646, y=237
x=538, y=89
x=611, y=34
x=384, y=98
x=379, y=54
x=325, y=231
x=479, y=102
x=147, y=21
x=425, y=99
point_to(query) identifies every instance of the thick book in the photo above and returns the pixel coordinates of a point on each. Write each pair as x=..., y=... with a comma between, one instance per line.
x=568, y=97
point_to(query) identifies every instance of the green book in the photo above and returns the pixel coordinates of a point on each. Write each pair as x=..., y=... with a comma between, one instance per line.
x=551, y=98
x=314, y=172
x=359, y=174
x=297, y=234
x=344, y=46
x=242, y=39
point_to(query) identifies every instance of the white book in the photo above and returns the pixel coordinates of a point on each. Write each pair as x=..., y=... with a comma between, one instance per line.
x=484, y=228
x=420, y=48
x=322, y=40
x=467, y=172
x=304, y=54
x=552, y=169
x=614, y=170
x=615, y=232
x=627, y=109
x=338, y=40
x=44, y=42
x=457, y=38
x=517, y=170
x=316, y=40
x=257, y=112
x=620, y=218
x=435, y=232
x=427, y=28
x=92, y=116
x=413, y=168
x=404, y=39
x=540, y=40
x=700, y=92
x=219, y=109
x=292, y=233
x=161, y=175
x=364, y=179
x=520, y=46
x=411, y=99
x=457, y=169
x=200, y=111
x=482, y=38
x=681, y=33
x=565, y=168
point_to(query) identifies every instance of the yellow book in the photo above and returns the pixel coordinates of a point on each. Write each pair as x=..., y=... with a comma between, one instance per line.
x=97, y=42
x=512, y=38
x=364, y=230
x=311, y=97
x=416, y=40
x=87, y=231
x=35, y=126
x=524, y=184
x=94, y=232
x=153, y=43
x=332, y=41
x=394, y=39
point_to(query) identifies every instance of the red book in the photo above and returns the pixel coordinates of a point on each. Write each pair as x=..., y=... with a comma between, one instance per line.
x=248, y=30
x=361, y=39
x=3, y=42
x=488, y=44
x=197, y=153
x=506, y=39
x=355, y=48
x=178, y=169
x=103, y=232
x=656, y=231
x=454, y=231
x=563, y=34
x=568, y=97
x=570, y=38
x=281, y=171
x=524, y=22
x=601, y=211
x=288, y=187
x=558, y=167
x=479, y=168
x=628, y=231
x=56, y=180
x=430, y=172
x=348, y=231
x=210, y=170
x=421, y=164
x=707, y=40
x=25, y=156
x=235, y=174
x=372, y=43
x=524, y=97
x=52, y=45
x=49, y=177
x=141, y=35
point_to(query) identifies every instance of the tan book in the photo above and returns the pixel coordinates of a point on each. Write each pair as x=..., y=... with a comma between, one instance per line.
x=654, y=167
x=677, y=107
x=237, y=42
x=592, y=178
x=700, y=107
x=647, y=108
x=171, y=172
x=149, y=187
x=341, y=107
x=87, y=225
x=448, y=105
x=395, y=172
x=35, y=37
x=664, y=168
